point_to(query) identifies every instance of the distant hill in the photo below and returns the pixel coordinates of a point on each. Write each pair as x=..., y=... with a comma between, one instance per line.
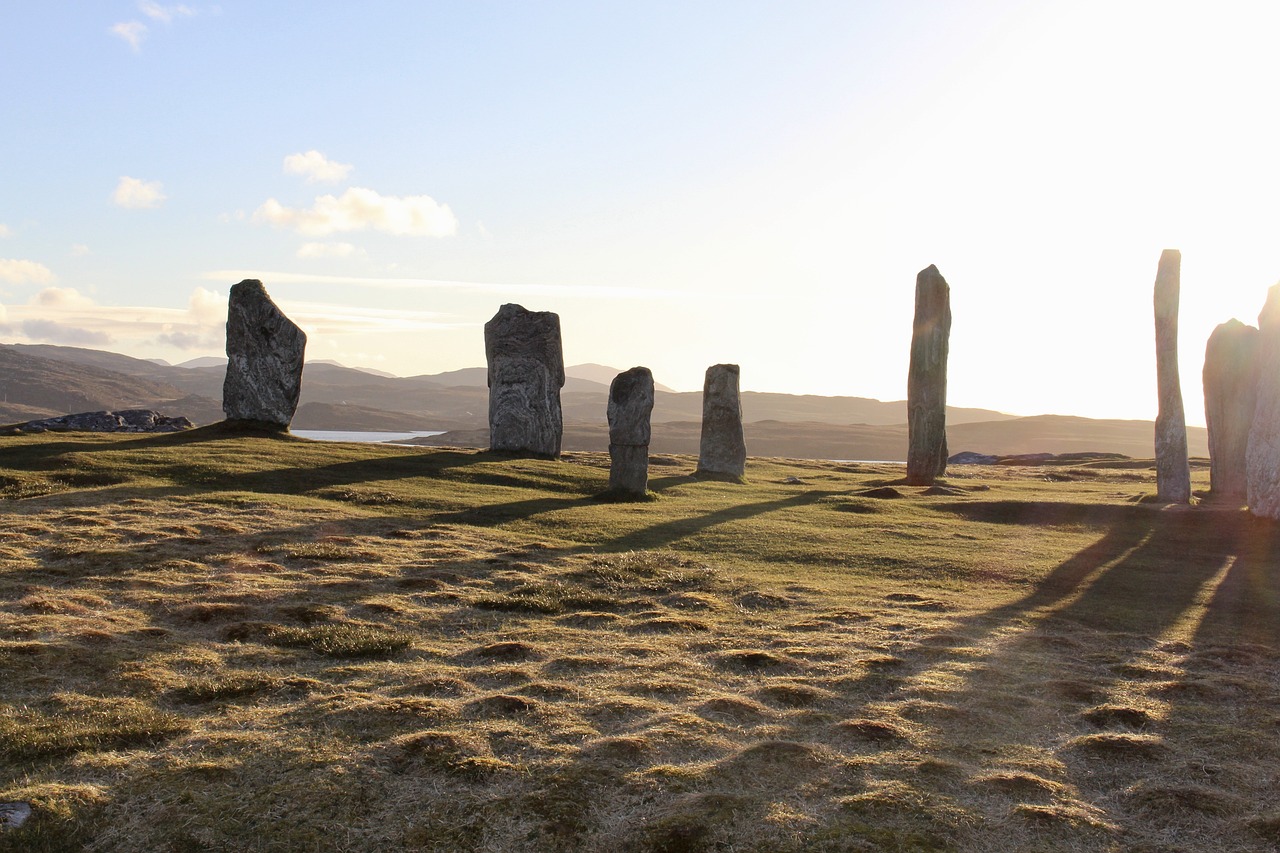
x=45, y=381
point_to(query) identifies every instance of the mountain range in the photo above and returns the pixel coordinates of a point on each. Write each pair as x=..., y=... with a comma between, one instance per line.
x=38, y=380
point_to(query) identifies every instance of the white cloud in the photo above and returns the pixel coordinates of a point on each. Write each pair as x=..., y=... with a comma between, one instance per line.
x=61, y=297
x=165, y=14
x=79, y=250
x=316, y=168
x=132, y=32
x=137, y=194
x=54, y=332
x=359, y=209
x=5, y=230
x=207, y=307
x=329, y=250
x=21, y=272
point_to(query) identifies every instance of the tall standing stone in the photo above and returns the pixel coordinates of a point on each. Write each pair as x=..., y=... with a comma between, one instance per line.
x=1262, y=459
x=1173, y=475
x=526, y=373
x=264, y=358
x=927, y=380
x=630, y=405
x=722, y=450
x=1230, y=396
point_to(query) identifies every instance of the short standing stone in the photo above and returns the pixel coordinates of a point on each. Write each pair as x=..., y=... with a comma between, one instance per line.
x=1173, y=475
x=722, y=450
x=1263, y=456
x=630, y=405
x=1230, y=395
x=264, y=358
x=526, y=373
x=927, y=380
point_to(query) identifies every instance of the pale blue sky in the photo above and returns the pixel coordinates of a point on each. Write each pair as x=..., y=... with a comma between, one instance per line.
x=685, y=183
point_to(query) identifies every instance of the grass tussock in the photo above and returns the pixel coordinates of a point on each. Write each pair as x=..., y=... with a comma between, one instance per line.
x=235, y=640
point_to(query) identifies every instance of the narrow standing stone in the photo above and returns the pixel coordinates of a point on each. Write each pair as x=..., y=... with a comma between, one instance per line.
x=1230, y=396
x=265, y=352
x=630, y=405
x=927, y=380
x=1263, y=455
x=722, y=450
x=526, y=373
x=1173, y=475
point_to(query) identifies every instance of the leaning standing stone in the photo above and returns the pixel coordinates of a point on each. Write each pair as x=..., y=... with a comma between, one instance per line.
x=264, y=358
x=1173, y=475
x=927, y=380
x=526, y=373
x=722, y=450
x=1230, y=395
x=1263, y=455
x=630, y=404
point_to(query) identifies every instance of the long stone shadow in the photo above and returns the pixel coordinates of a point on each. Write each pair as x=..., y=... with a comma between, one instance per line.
x=664, y=533
x=1245, y=608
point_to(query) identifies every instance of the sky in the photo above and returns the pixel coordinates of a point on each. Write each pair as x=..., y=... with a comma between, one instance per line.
x=684, y=183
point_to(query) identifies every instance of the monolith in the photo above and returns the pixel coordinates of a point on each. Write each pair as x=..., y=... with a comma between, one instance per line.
x=264, y=358
x=526, y=373
x=1230, y=396
x=722, y=450
x=1262, y=459
x=630, y=405
x=927, y=380
x=1173, y=475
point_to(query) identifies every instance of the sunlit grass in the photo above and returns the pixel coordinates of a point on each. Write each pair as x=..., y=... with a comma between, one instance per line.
x=222, y=641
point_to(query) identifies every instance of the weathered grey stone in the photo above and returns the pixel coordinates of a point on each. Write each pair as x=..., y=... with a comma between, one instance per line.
x=1230, y=396
x=265, y=352
x=526, y=373
x=927, y=380
x=722, y=450
x=1262, y=459
x=1173, y=475
x=630, y=405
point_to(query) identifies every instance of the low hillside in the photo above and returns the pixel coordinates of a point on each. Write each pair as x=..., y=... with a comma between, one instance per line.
x=229, y=641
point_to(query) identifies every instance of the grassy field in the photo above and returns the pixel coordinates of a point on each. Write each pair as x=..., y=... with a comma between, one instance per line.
x=212, y=641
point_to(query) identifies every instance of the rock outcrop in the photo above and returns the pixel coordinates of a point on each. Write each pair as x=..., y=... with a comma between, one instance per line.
x=1230, y=396
x=1262, y=459
x=125, y=420
x=265, y=351
x=1173, y=475
x=927, y=380
x=526, y=373
x=722, y=450
x=630, y=405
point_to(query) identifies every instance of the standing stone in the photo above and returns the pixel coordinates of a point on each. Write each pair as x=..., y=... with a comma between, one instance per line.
x=722, y=450
x=264, y=358
x=1173, y=475
x=1230, y=394
x=927, y=380
x=526, y=373
x=1262, y=459
x=630, y=404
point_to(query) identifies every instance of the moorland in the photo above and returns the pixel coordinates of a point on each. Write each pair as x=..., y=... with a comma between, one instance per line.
x=233, y=641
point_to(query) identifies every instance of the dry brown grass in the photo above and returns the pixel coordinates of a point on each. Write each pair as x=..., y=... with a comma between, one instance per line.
x=267, y=645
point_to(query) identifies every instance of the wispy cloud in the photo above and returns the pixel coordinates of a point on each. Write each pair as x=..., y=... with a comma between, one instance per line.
x=137, y=194
x=5, y=230
x=316, y=168
x=329, y=250
x=17, y=271
x=360, y=209
x=165, y=14
x=133, y=32
x=79, y=250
